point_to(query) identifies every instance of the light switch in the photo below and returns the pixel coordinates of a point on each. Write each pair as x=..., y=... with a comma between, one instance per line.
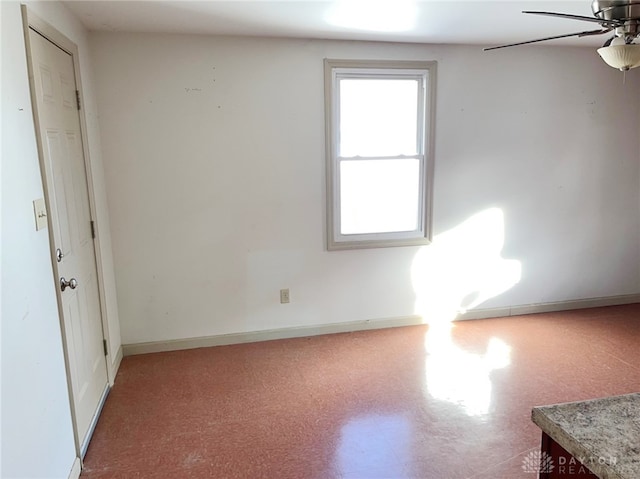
x=40, y=210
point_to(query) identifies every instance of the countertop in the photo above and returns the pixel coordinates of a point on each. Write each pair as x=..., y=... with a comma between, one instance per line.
x=604, y=433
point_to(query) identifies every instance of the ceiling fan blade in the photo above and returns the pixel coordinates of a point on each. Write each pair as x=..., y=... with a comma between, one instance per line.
x=578, y=34
x=591, y=33
x=610, y=23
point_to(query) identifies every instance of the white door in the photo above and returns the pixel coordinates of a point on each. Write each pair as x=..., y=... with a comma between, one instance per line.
x=68, y=199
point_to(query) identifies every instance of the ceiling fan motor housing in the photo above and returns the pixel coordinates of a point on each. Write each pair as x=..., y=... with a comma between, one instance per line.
x=627, y=12
x=616, y=9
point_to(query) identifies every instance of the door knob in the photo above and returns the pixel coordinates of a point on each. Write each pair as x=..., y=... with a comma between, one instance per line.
x=72, y=283
x=59, y=255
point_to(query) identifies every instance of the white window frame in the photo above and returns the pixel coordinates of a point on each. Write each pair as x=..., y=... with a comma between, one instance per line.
x=337, y=69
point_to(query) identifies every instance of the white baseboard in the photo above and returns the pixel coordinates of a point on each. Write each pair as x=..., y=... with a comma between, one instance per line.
x=550, y=307
x=266, y=335
x=75, y=469
x=298, y=332
x=115, y=365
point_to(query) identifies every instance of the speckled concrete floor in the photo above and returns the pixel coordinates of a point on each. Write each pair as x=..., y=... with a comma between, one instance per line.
x=413, y=402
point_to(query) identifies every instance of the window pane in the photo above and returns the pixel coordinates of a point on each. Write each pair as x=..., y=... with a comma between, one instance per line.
x=378, y=117
x=379, y=196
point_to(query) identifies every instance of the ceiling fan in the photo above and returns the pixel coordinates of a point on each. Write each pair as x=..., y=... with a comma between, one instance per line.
x=620, y=16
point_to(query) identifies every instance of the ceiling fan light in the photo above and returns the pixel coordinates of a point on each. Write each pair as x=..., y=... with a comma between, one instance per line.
x=622, y=57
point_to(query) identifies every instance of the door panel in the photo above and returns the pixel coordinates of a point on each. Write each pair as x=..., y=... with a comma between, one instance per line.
x=67, y=193
x=60, y=215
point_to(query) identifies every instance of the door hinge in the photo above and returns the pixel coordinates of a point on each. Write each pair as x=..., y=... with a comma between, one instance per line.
x=93, y=230
x=104, y=345
x=78, y=98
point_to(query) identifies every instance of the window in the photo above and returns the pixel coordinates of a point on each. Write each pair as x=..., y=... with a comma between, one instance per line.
x=379, y=122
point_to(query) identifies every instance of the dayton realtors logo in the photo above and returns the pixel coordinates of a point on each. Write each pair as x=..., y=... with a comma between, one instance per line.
x=541, y=462
x=538, y=462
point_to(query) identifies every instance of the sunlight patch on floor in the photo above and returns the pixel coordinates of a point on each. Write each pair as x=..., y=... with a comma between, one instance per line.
x=461, y=377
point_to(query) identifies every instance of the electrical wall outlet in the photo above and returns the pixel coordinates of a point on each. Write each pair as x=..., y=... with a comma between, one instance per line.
x=284, y=296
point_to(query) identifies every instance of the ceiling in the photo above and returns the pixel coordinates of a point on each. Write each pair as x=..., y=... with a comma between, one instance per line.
x=481, y=22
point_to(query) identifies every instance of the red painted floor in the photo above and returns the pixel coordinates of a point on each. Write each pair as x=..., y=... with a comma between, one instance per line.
x=407, y=402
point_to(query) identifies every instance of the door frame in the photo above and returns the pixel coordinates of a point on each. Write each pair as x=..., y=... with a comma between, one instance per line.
x=33, y=22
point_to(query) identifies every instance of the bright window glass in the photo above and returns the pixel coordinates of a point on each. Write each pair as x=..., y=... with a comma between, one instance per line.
x=379, y=196
x=378, y=117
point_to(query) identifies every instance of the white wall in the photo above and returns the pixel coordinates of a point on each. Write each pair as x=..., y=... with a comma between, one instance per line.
x=214, y=159
x=37, y=434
